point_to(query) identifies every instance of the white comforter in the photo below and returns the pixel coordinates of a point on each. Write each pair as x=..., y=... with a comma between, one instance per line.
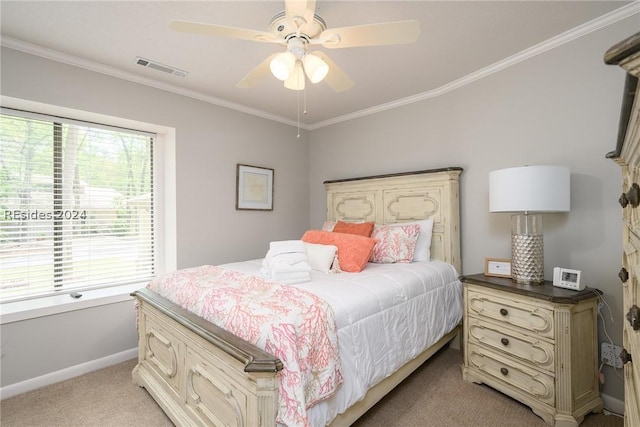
x=386, y=315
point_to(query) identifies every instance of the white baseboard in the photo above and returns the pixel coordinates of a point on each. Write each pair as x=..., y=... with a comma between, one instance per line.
x=612, y=404
x=67, y=373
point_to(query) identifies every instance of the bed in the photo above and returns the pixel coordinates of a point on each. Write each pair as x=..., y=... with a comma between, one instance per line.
x=201, y=374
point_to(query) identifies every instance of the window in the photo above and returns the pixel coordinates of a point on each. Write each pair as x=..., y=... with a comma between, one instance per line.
x=76, y=206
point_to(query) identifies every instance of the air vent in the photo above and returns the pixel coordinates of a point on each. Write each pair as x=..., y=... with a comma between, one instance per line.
x=160, y=67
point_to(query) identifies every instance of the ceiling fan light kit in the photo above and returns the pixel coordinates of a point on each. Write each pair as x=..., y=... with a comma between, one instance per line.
x=285, y=65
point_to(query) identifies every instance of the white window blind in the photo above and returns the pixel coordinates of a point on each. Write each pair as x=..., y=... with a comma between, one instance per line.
x=76, y=206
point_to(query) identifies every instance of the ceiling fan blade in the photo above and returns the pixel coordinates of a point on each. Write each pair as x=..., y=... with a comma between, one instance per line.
x=337, y=79
x=387, y=33
x=222, y=31
x=257, y=75
x=303, y=8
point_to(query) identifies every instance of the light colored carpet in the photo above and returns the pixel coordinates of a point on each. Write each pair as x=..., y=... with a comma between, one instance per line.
x=435, y=395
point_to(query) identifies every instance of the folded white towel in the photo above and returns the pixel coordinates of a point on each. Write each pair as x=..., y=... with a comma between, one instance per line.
x=288, y=277
x=287, y=262
x=286, y=246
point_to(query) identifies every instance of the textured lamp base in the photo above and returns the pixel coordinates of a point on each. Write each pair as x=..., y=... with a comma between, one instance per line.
x=527, y=263
x=527, y=250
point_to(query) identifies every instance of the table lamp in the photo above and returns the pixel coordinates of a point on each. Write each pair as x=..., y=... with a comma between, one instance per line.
x=528, y=191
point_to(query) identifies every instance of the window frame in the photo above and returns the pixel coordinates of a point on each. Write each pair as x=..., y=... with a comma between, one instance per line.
x=164, y=203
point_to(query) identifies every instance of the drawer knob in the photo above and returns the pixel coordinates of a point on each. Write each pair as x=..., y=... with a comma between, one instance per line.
x=623, y=274
x=633, y=316
x=504, y=311
x=623, y=200
x=504, y=341
x=504, y=371
x=631, y=197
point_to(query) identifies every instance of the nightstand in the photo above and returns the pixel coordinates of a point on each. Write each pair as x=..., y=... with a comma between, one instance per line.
x=535, y=343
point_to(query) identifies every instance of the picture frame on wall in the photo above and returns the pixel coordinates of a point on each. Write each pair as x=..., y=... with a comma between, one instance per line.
x=254, y=188
x=497, y=267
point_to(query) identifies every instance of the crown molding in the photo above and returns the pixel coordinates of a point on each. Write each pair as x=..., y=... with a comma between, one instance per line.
x=552, y=43
x=566, y=37
x=75, y=61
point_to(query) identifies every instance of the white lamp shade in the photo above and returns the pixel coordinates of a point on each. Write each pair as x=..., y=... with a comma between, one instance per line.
x=315, y=68
x=530, y=189
x=283, y=65
x=296, y=80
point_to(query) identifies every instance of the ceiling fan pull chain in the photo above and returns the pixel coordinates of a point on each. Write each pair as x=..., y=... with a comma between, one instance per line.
x=304, y=101
x=298, y=112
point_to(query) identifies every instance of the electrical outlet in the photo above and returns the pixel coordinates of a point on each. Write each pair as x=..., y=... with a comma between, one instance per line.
x=610, y=355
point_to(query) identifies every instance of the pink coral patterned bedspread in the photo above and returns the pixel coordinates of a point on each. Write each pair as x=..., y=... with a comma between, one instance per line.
x=292, y=324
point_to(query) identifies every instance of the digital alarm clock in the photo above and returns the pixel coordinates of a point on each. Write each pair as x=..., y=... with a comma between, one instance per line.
x=568, y=279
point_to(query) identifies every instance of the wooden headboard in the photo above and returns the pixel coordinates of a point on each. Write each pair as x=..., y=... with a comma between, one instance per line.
x=403, y=197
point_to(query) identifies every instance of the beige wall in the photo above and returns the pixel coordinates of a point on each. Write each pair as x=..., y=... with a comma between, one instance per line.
x=560, y=107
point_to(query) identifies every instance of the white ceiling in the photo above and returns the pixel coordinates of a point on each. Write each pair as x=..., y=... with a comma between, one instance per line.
x=460, y=40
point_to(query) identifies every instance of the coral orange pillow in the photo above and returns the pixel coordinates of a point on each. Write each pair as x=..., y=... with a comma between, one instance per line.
x=360, y=228
x=353, y=251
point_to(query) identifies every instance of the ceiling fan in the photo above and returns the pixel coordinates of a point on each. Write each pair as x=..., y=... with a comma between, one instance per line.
x=298, y=28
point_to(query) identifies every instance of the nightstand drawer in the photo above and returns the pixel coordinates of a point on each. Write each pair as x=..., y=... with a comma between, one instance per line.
x=514, y=310
x=517, y=377
x=528, y=348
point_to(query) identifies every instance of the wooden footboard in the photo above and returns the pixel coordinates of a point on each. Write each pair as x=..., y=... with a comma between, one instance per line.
x=199, y=373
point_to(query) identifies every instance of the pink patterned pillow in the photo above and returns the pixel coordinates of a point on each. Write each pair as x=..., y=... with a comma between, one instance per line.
x=353, y=251
x=328, y=225
x=394, y=243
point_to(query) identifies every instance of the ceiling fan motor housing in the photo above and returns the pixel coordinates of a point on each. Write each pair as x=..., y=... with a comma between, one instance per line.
x=296, y=26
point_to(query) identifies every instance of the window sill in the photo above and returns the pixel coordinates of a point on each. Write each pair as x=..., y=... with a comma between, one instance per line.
x=40, y=307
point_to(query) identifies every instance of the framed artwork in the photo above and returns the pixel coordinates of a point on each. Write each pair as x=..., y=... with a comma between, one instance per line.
x=497, y=267
x=254, y=188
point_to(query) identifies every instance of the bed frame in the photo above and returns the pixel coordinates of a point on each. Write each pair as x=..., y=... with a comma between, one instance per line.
x=200, y=374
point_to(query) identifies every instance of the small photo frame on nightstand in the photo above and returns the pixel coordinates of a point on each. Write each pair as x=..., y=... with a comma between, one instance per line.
x=497, y=267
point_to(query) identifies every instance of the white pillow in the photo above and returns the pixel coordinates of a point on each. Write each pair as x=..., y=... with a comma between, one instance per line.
x=423, y=245
x=321, y=256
